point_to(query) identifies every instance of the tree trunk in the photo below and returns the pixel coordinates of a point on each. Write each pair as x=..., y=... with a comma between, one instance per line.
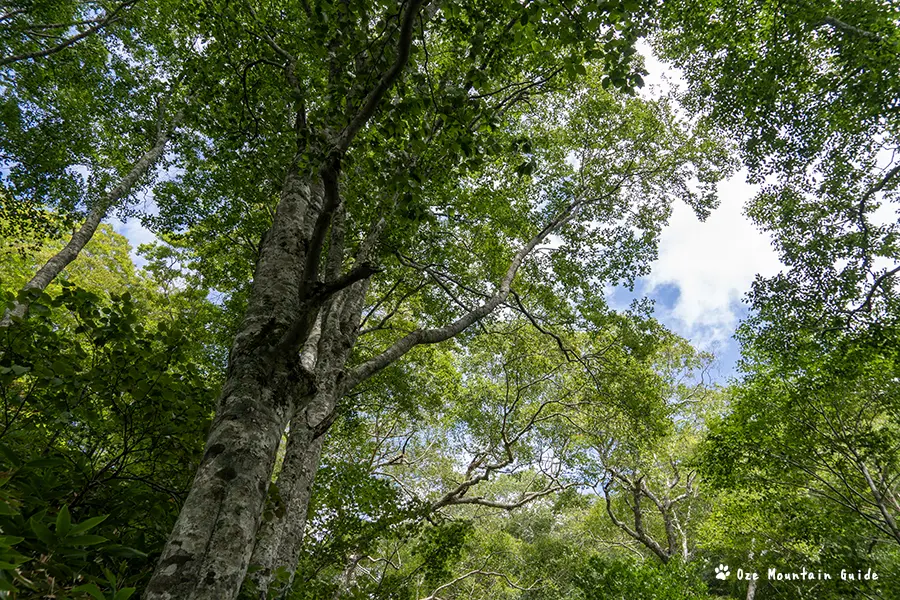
x=59, y=261
x=209, y=550
x=751, y=590
x=280, y=538
x=279, y=542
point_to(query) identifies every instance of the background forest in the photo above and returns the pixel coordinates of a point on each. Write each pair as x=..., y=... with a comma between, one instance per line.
x=371, y=354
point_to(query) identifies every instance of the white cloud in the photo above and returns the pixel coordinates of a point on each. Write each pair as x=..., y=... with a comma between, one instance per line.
x=713, y=264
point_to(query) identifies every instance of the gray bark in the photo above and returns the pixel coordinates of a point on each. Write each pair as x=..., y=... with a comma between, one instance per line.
x=59, y=261
x=279, y=541
x=207, y=554
x=280, y=538
x=751, y=590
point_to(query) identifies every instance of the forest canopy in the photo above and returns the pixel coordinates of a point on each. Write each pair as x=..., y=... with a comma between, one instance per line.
x=371, y=351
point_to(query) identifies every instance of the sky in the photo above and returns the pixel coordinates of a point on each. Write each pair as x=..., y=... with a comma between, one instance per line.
x=703, y=270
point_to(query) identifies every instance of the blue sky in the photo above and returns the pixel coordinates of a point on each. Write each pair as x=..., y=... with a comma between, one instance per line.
x=704, y=269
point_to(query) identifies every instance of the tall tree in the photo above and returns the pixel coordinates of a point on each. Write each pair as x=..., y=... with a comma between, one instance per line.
x=377, y=128
x=86, y=116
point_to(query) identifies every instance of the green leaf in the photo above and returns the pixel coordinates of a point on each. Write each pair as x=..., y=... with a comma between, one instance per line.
x=42, y=531
x=124, y=594
x=88, y=524
x=10, y=540
x=39, y=309
x=11, y=456
x=85, y=540
x=41, y=463
x=92, y=589
x=63, y=521
x=122, y=551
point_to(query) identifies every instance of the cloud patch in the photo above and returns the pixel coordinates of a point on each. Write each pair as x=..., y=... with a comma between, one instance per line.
x=712, y=264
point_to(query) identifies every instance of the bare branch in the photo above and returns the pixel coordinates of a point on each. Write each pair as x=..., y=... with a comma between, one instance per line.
x=440, y=334
x=870, y=295
x=434, y=594
x=847, y=28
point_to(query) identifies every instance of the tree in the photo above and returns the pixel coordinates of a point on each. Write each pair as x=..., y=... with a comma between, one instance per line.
x=490, y=433
x=808, y=91
x=101, y=82
x=648, y=479
x=33, y=31
x=352, y=139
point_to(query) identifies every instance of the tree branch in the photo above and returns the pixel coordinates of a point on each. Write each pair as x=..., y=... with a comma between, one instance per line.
x=100, y=24
x=848, y=28
x=440, y=334
x=387, y=80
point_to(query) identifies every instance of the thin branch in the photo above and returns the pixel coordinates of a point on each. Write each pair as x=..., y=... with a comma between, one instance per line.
x=440, y=334
x=847, y=28
x=434, y=594
x=110, y=17
x=867, y=303
x=384, y=84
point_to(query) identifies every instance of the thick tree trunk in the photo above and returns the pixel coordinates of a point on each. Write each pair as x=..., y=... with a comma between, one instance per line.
x=59, y=261
x=279, y=542
x=207, y=554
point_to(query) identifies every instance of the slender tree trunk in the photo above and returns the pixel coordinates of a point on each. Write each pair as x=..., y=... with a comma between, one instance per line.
x=209, y=550
x=751, y=587
x=751, y=590
x=280, y=538
x=59, y=261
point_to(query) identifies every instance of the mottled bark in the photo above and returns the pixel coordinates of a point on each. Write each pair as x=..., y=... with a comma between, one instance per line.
x=279, y=541
x=280, y=538
x=59, y=261
x=209, y=549
x=751, y=590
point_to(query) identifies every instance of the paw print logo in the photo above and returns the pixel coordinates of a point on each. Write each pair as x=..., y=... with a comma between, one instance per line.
x=722, y=572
